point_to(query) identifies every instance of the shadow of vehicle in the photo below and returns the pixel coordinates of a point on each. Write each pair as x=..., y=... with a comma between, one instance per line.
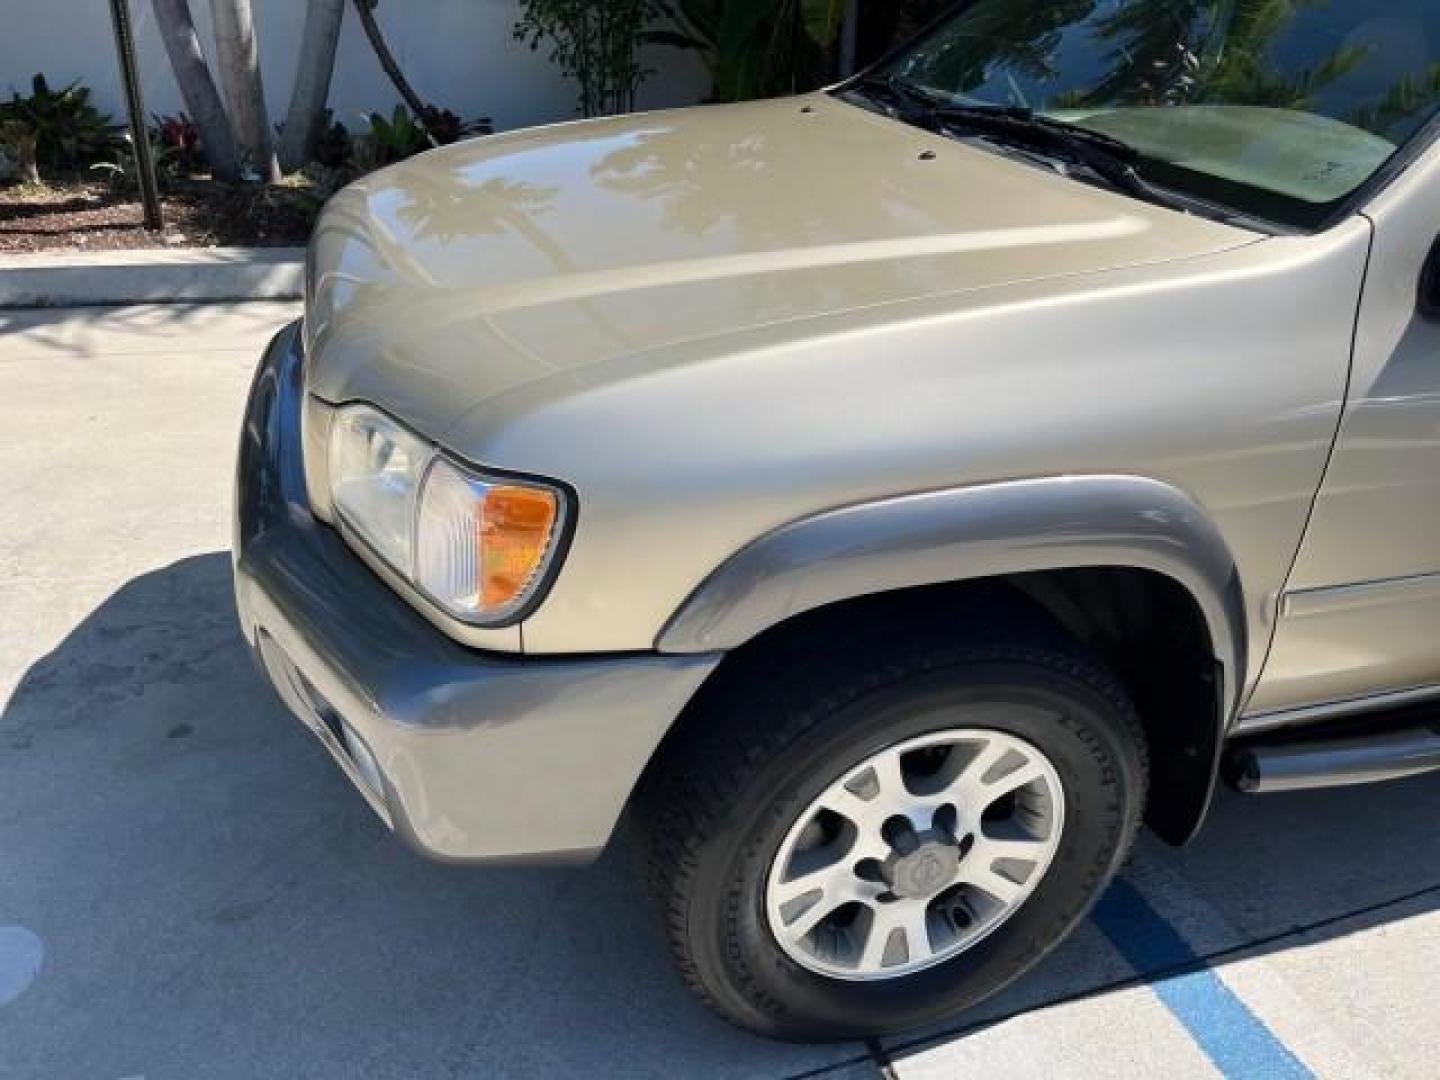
x=216, y=901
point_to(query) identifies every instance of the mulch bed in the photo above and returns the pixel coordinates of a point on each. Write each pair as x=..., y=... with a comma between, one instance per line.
x=96, y=217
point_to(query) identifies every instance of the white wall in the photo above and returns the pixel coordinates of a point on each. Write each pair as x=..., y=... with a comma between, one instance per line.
x=456, y=53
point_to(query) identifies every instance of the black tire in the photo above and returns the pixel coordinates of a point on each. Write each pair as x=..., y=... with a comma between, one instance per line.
x=728, y=789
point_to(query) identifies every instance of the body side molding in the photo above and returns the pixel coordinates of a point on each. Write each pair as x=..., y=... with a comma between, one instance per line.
x=959, y=534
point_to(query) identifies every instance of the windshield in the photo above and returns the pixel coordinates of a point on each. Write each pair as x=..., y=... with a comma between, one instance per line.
x=1277, y=108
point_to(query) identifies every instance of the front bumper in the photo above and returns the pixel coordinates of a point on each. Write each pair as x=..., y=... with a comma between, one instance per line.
x=468, y=755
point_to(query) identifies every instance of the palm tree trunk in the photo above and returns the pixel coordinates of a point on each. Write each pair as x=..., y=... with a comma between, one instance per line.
x=238, y=56
x=366, y=10
x=202, y=100
x=312, y=81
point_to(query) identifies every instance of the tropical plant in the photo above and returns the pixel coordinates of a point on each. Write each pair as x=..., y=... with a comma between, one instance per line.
x=331, y=148
x=197, y=88
x=598, y=45
x=305, y=122
x=179, y=135
x=755, y=48
x=123, y=170
x=17, y=152
x=441, y=124
x=445, y=127
x=68, y=130
x=388, y=140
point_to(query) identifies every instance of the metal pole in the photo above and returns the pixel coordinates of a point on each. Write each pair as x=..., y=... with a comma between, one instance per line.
x=849, y=38
x=135, y=105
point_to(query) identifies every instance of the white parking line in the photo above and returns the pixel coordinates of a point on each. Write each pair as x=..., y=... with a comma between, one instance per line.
x=1130, y=1032
x=1119, y=1035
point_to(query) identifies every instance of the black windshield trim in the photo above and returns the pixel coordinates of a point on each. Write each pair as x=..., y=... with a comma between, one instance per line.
x=1325, y=216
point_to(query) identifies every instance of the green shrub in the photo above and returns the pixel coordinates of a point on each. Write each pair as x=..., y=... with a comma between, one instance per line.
x=598, y=45
x=388, y=140
x=756, y=48
x=70, y=133
x=123, y=169
x=400, y=136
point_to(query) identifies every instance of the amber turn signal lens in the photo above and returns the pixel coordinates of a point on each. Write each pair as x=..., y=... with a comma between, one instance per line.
x=516, y=527
x=482, y=544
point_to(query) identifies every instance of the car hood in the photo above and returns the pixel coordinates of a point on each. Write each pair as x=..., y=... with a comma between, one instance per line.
x=474, y=272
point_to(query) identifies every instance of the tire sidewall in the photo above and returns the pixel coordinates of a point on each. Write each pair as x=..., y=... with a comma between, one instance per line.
x=1075, y=727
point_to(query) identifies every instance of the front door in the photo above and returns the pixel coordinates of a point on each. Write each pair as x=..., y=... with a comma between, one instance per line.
x=1360, y=616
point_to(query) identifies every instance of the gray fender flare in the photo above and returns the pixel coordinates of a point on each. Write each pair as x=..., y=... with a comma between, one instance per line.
x=966, y=533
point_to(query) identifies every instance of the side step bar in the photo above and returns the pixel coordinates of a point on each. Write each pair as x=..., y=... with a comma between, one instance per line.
x=1362, y=758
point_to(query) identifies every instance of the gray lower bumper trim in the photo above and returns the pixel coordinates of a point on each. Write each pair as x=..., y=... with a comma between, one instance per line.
x=482, y=755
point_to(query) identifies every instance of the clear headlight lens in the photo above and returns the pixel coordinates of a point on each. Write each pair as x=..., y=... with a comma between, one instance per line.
x=376, y=467
x=477, y=546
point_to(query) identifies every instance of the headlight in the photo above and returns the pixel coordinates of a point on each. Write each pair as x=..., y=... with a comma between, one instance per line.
x=376, y=468
x=478, y=546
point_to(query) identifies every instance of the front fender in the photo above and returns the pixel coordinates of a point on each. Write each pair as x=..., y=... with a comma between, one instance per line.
x=967, y=533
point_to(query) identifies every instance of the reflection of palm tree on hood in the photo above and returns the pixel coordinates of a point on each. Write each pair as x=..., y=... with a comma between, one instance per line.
x=672, y=166
x=451, y=211
x=762, y=210
x=758, y=175
x=667, y=164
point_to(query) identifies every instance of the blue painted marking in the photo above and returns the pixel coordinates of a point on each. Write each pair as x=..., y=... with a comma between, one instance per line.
x=1232, y=1036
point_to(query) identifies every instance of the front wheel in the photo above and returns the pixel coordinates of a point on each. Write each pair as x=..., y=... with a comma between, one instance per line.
x=894, y=843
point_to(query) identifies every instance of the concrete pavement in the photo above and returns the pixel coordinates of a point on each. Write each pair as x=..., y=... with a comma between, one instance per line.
x=189, y=888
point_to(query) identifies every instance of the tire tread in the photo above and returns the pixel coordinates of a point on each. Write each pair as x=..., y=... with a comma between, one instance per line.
x=706, y=769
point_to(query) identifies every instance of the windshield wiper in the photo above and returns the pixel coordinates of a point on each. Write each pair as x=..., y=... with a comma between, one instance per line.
x=1109, y=158
x=902, y=98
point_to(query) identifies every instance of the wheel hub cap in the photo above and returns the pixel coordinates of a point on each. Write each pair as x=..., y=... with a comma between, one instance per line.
x=916, y=853
x=923, y=872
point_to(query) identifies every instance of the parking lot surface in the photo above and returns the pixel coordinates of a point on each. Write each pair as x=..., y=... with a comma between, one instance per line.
x=188, y=887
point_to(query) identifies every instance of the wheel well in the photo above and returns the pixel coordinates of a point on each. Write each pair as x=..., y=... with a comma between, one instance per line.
x=1144, y=626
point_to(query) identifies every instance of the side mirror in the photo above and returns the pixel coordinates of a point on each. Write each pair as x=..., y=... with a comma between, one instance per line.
x=1428, y=302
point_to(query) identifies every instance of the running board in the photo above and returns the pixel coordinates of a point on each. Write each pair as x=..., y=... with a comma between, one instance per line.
x=1362, y=758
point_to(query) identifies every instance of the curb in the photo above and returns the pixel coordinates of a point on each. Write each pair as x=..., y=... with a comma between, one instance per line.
x=165, y=276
